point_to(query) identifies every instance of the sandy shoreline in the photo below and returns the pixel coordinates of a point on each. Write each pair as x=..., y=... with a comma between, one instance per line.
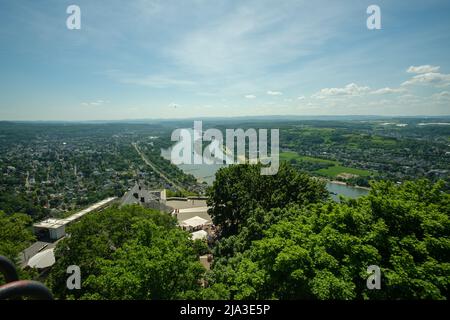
x=342, y=183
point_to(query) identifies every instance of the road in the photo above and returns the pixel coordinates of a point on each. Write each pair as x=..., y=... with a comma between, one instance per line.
x=154, y=168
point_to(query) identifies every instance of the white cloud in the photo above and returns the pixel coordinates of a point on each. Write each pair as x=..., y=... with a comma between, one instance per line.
x=94, y=103
x=441, y=97
x=155, y=81
x=250, y=96
x=350, y=90
x=388, y=91
x=423, y=69
x=274, y=93
x=409, y=99
x=301, y=98
x=253, y=36
x=431, y=78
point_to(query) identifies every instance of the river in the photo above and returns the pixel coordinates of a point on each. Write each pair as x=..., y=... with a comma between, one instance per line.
x=206, y=173
x=337, y=189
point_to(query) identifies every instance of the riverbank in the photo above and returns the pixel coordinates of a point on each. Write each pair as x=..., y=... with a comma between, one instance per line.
x=343, y=183
x=206, y=173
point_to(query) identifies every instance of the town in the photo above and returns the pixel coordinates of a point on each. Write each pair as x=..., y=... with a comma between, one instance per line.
x=50, y=171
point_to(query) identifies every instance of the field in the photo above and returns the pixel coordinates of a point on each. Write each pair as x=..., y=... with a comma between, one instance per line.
x=289, y=155
x=334, y=170
x=337, y=170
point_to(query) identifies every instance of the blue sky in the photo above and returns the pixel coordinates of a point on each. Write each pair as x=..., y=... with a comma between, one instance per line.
x=188, y=58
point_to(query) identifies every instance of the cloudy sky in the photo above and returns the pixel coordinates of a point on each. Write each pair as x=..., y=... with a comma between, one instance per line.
x=188, y=58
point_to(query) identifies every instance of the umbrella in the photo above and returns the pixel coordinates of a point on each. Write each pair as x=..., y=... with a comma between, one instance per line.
x=195, y=222
x=199, y=235
x=42, y=259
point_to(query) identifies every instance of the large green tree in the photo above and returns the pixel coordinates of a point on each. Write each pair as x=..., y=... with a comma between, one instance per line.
x=127, y=253
x=239, y=190
x=15, y=236
x=157, y=264
x=322, y=251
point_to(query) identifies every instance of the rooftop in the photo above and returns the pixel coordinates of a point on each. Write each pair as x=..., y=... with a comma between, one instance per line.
x=56, y=223
x=138, y=194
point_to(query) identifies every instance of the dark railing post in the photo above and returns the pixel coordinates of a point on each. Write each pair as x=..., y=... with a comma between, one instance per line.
x=8, y=270
x=15, y=288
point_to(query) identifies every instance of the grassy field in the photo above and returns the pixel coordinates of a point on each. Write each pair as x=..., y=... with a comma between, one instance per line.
x=384, y=141
x=331, y=172
x=294, y=155
x=337, y=170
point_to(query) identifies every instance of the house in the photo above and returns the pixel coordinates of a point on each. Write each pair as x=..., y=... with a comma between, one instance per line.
x=140, y=195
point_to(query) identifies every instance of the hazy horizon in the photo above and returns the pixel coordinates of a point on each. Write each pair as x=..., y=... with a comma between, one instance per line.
x=244, y=117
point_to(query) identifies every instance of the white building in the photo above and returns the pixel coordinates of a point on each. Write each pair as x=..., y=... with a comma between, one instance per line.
x=55, y=229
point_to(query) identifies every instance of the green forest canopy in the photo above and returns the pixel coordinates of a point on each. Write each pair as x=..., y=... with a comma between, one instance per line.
x=281, y=238
x=314, y=249
x=127, y=253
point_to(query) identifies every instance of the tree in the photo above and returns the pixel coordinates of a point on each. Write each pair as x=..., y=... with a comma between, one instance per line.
x=127, y=253
x=15, y=236
x=322, y=251
x=240, y=189
x=158, y=264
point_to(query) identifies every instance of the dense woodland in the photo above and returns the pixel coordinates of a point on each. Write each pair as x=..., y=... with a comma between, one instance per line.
x=297, y=245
